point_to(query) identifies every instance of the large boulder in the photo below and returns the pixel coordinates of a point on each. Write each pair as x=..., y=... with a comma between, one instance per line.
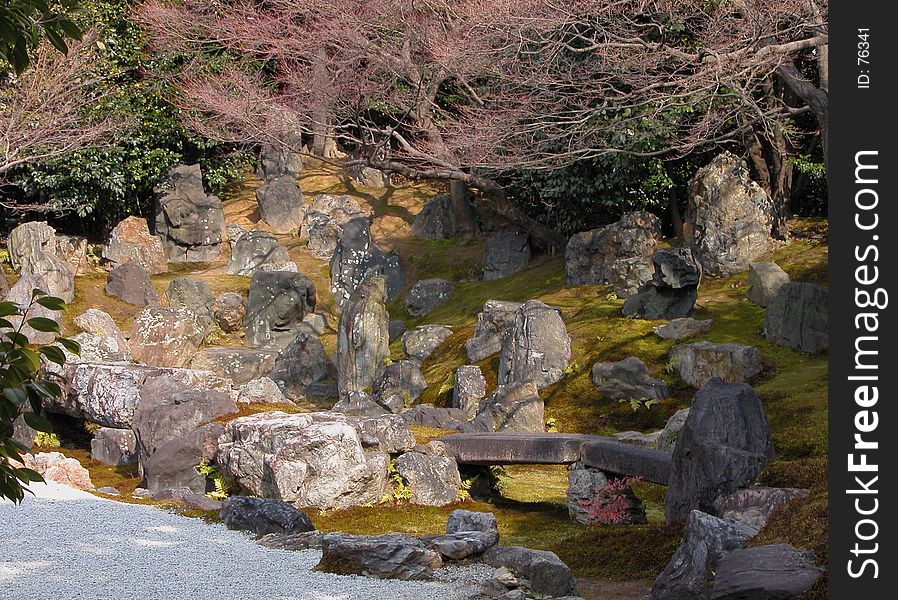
x=774, y=572
x=281, y=204
x=444, y=217
x=706, y=540
x=798, y=318
x=173, y=466
x=130, y=282
x=262, y=516
x=240, y=365
x=277, y=160
x=461, y=520
x=101, y=340
x=383, y=433
x=419, y=343
x=73, y=250
x=547, y=574
x=512, y=407
x=699, y=362
x=193, y=296
x=755, y=505
x=165, y=337
x=253, y=251
x=426, y=295
x=28, y=238
x=493, y=323
x=437, y=417
x=301, y=367
x=433, y=480
x=355, y=256
x=21, y=294
x=506, y=252
x=627, y=379
x=723, y=447
x=55, y=272
x=359, y=404
x=728, y=217
x=313, y=459
x=189, y=221
x=115, y=447
x=323, y=222
x=537, y=347
x=619, y=254
x=56, y=467
x=764, y=281
x=388, y=556
x=363, y=337
x=261, y=391
x=131, y=241
x=399, y=385
x=468, y=389
x=673, y=289
x=97, y=322
x=229, y=311
x=278, y=302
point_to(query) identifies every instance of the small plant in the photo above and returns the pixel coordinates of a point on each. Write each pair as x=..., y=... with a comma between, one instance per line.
x=671, y=366
x=551, y=425
x=464, y=493
x=448, y=385
x=611, y=297
x=571, y=368
x=46, y=440
x=637, y=403
x=222, y=489
x=498, y=474
x=388, y=361
x=611, y=502
x=400, y=489
x=4, y=255
x=214, y=335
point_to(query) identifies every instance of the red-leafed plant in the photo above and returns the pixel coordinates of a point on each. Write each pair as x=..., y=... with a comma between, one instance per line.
x=612, y=502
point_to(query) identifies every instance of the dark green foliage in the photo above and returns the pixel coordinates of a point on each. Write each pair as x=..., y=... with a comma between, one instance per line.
x=23, y=23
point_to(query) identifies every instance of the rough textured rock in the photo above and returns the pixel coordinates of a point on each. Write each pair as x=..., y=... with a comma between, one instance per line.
x=101, y=340
x=683, y=327
x=278, y=160
x=442, y=218
x=173, y=465
x=764, y=281
x=798, y=318
x=384, y=433
x=263, y=516
x=95, y=321
x=435, y=416
x=359, y=404
x=114, y=447
x=4, y=284
x=165, y=337
x=317, y=323
x=368, y=176
x=493, y=324
x=461, y=520
x=723, y=447
x=537, y=347
x=419, y=343
x=547, y=574
x=506, y=253
x=240, y=365
x=706, y=540
x=281, y=204
x=728, y=217
x=461, y=545
x=54, y=466
x=754, y=506
x=469, y=389
x=627, y=379
x=673, y=289
x=512, y=407
x=55, y=272
x=278, y=302
x=189, y=221
x=773, y=572
x=252, y=251
x=363, y=337
x=434, y=480
x=426, y=295
x=28, y=238
x=667, y=441
x=300, y=366
x=699, y=362
x=619, y=254
x=399, y=385
x=389, y=556
x=637, y=438
x=234, y=232
x=310, y=459
x=229, y=311
x=187, y=498
x=131, y=241
x=20, y=293
x=323, y=223
x=355, y=256
x=193, y=296
x=73, y=250
x=396, y=328
x=309, y=540
x=585, y=485
x=261, y=391
x=129, y=282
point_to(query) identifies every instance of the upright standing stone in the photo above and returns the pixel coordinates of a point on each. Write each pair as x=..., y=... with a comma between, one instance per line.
x=278, y=302
x=300, y=366
x=192, y=295
x=189, y=220
x=281, y=204
x=355, y=255
x=469, y=389
x=363, y=337
x=446, y=217
x=28, y=238
x=493, y=324
x=131, y=241
x=537, y=348
x=323, y=222
x=129, y=282
x=673, y=290
x=506, y=253
x=798, y=318
x=55, y=272
x=764, y=281
x=20, y=293
x=253, y=251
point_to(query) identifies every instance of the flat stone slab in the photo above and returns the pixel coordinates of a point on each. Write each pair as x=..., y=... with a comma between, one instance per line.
x=612, y=456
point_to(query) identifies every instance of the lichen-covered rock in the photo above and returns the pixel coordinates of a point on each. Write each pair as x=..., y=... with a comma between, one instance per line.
x=493, y=324
x=72, y=249
x=27, y=238
x=240, y=365
x=355, y=256
x=755, y=505
x=699, y=362
x=173, y=465
x=426, y=295
x=547, y=574
x=433, y=480
x=323, y=222
x=189, y=221
x=383, y=433
x=263, y=516
x=252, y=251
x=101, y=340
x=798, y=318
x=94, y=320
x=278, y=302
x=359, y=404
x=281, y=204
x=363, y=337
x=512, y=407
x=728, y=217
x=130, y=282
x=444, y=217
x=165, y=337
x=419, y=343
x=115, y=447
x=56, y=273
x=619, y=254
x=764, y=281
x=261, y=391
x=506, y=252
x=469, y=389
x=388, y=556
x=229, y=311
x=193, y=296
x=437, y=417
x=684, y=327
x=776, y=571
x=20, y=293
x=399, y=386
x=673, y=289
x=301, y=366
x=131, y=241
x=537, y=348
x=55, y=466
x=667, y=440
x=627, y=379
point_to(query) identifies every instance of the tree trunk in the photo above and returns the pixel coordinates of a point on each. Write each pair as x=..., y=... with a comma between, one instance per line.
x=322, y=131
x=676, y=219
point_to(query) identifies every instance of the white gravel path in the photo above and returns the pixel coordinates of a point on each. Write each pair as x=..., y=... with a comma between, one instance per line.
x=67, y=544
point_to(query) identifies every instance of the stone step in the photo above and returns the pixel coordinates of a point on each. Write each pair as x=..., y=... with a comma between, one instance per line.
x=612, y=456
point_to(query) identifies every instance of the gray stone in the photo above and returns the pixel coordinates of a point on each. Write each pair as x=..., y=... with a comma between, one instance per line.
x=728, y=217
x=130, y=282
x=435, y=417
x=547, y=574
x=626, y=460
x=619, y=254
x=368, y=176
x=419, y=343
x=384, y=433
x=229, y=312
x=723, y=447
x=461, y=545
x=667, y=441
x=72, y=249
x=95, y=321
x=513, y=407
x=627, y=379
x=537, y=348
x=493, y=324
x=55, y=272
x=263, y=516
x=323, y=223
x=114, y=447
x=281, y=204
x=683, y=327
x=277, y=160
x=461, y=520
x=131, y=242
x=444, y=217
x=754, y=506
x=99, y=348
x=515, y=448
x=317, y=323
x=434, y=480
x=261, y=391
x=699, y=362
x=240, y=365
x=193, y=296
x=188, y=498
x=506, y=253
x=363, y=337
x=359, y=404
x=172, y=466
x=637, y=438
x=706, y=540
x=355, y=256
x=27, y=238
x=764, y=281
x=189, y=221
x=309, y=540
x=396, y=328
x=234, y=232
x=278, y=302
x=165, y=337
x=773, y=572
x=469, y=389
x=588, y=494
x=389, y=556
x=300, y=366
x=673, y=289
x=427, y=295
x=253, y=250
x=399, y=385
x=798, y=318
